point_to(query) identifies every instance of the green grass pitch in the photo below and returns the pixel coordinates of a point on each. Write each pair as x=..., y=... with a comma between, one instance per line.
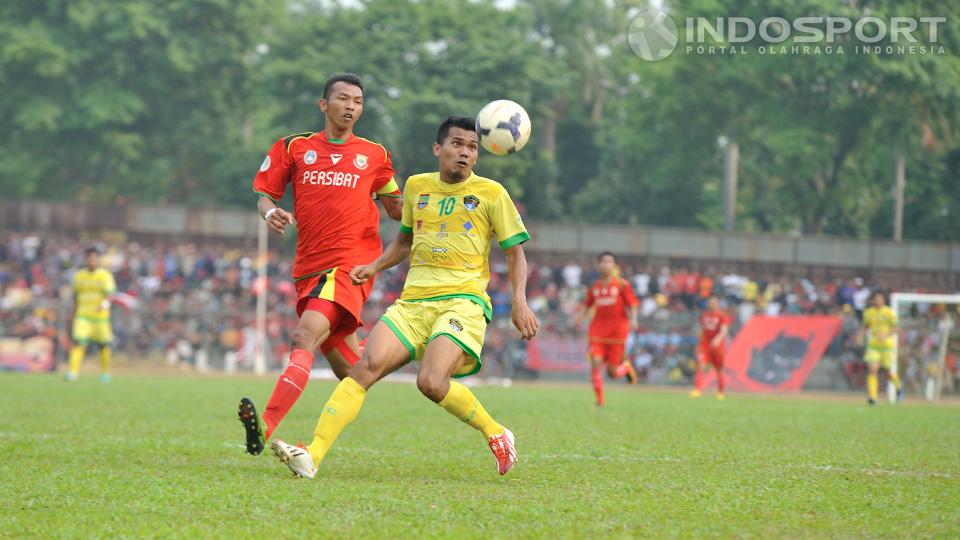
x=163, y=457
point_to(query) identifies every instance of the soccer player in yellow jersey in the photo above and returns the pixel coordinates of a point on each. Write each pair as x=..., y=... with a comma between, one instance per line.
x=881, y=321
x=92, y=287
x=448, y=222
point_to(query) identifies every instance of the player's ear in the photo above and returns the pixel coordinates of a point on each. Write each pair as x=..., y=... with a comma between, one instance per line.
x=436, y=149
x=323, y=104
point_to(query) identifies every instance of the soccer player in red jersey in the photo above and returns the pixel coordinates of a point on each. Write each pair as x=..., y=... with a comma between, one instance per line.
x=714, y=326
x=334, y=176
x=613, y=309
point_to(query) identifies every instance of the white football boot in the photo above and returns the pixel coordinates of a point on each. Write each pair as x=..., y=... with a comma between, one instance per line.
x=295, y=457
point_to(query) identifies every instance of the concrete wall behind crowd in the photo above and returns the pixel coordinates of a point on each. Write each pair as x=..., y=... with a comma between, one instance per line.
x=555, y=238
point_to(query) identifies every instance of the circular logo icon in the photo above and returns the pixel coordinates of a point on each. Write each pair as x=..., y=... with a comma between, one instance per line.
x=652, y=35
x=310, y=157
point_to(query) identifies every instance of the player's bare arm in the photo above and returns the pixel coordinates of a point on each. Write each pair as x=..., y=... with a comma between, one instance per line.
x=634, y=318
x=393, y=206
x=397, y=252
x=277, y=218
x=523, y=318
x=720, y=337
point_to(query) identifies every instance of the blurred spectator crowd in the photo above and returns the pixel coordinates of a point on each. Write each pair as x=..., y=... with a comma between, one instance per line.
x=183, y=300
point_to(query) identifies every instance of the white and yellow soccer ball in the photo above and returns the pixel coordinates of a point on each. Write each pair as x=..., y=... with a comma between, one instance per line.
x=503, y=127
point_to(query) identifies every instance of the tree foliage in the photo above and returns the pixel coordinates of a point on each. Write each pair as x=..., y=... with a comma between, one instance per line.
x=176, y=101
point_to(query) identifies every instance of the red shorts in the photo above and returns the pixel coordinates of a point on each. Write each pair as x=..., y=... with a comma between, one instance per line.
x=612, y=353
x=712, y=355
x=338, y=299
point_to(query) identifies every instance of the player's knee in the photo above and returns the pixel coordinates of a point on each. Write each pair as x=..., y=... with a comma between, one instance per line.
x=304, y=339
x=432, y=386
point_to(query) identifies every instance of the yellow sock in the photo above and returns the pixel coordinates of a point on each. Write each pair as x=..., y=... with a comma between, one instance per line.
x=461, y=403
x=105, y=353
x=872, y=385
x=894, y=378
x=76, y=357
x=340, y=410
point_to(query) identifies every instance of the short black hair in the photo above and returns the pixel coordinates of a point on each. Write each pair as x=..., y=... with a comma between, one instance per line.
x=91, y=250
x=349, y=78
x=606, y=253
x=467, y=123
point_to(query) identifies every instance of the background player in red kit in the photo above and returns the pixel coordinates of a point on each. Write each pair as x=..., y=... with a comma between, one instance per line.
x=608, y=301
x=334, y=176
x=714, y=326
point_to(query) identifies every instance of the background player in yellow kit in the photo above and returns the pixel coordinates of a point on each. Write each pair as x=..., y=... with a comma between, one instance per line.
x=447, y=226
x=92, y=287
x=881, y=321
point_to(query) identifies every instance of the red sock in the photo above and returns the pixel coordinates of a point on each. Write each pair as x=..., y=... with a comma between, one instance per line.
x=288, y=389
x=597, y=379
x=698, y=380
x=719, y=380
x=621, y=371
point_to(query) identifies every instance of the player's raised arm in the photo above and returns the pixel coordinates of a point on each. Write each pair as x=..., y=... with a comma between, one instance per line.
x=523, y=318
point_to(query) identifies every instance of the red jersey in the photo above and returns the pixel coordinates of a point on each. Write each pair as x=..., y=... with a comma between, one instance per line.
x=611, y=323
x=337, y=221
x=710, y=324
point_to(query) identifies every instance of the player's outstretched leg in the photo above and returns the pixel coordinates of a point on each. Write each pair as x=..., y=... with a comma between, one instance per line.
x=383, y=354
x=312, y=329
x=247, y=412
x=718, y=368
x=442, y=359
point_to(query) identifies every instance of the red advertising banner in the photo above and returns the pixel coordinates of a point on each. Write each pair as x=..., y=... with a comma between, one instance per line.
x=545, y=354
x=776, y=354
x=32, y=355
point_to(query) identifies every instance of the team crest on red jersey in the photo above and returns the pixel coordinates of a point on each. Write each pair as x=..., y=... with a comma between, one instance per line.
x=360, y=162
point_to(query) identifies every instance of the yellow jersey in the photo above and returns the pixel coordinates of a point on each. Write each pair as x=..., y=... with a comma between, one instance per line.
x=880, y=322
x=452, y=227
x=91, y=289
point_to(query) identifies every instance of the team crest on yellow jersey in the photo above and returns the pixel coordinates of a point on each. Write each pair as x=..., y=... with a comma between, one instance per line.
x=424, y=200
x=471, y=202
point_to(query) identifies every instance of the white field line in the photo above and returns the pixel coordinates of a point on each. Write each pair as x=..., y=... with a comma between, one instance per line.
x=526, y=456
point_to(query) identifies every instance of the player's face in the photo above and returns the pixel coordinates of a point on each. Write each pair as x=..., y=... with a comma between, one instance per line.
x=713, y=304
x=93, y=261
x=457, y=154
x=605, y=265
x=878, y=300
x=344, y=106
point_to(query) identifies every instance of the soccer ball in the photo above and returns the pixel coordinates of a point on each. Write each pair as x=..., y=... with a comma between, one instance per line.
x=503, y=127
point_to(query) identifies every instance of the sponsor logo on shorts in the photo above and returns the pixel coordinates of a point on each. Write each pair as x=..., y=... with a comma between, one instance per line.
x=310, y=157
x=456, y=325
x=471, y=202
x=424, y=200
x=360, y=162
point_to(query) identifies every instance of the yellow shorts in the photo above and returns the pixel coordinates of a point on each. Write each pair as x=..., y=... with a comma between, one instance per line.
x=86, y=330
x=879, y=352
x=418, y=323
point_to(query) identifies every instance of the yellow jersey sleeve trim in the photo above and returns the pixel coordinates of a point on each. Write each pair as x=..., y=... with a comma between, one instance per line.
x=518, y=238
